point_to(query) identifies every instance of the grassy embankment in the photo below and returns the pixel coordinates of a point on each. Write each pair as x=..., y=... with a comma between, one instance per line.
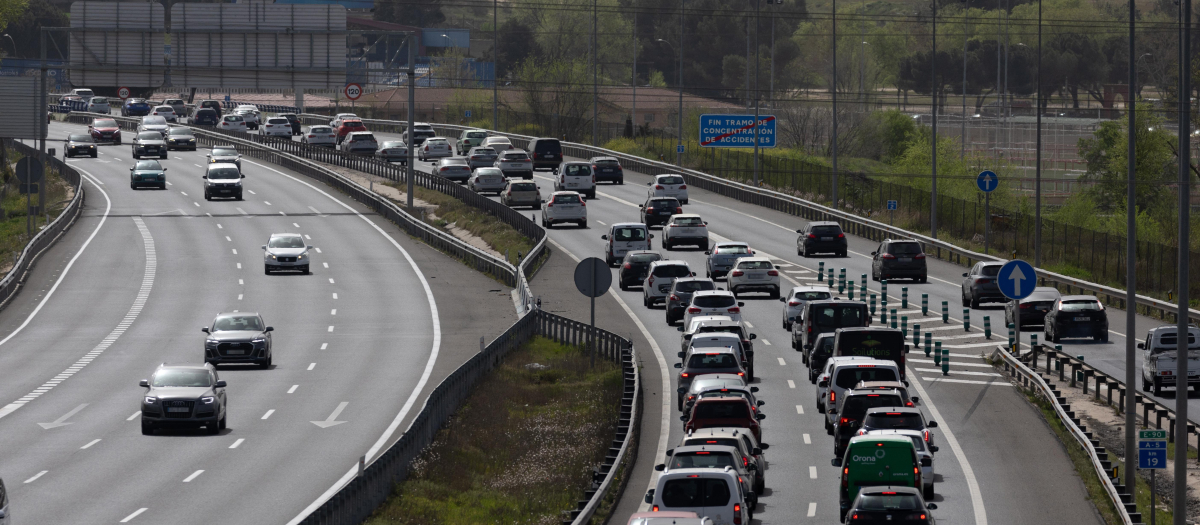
x=14, y=213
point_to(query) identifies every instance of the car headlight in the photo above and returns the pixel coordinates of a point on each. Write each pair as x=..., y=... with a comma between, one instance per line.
x=302, y=256
x=208, y=400
x=150, y=400
x=259, y=340
x=91, y=147
x=272, y=256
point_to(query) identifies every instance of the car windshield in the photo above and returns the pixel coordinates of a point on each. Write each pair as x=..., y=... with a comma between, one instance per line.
x=523, y=186
x=224, y=152
x=722, y=409
x=713, y=301
x=80, y=138
x=811, y=296
x=1080, y=305
x=894, y=420
x=855, y=407
x=670, y=180
x=184, y=378
x=735, y=249
x=566, y=199
x=826, y=231
x=154, y=121
x=147, y=165
x=712, y=360
x=755, y=265
x=283, y=121
x=672, y=270
x=237, y=323
x=629, y=234
x=838, y=316
x=104, y=123
x=688, y=221
x=607, y=163
x=884, y=502
x=694, y=286
x=702, y=459
x=695, y=492
x=224, y=174
x=180, y=132
x=477, y=134
x=516, y=156
x=459, y=161
x=436, y=142
x=848, y=377
x=150, y=135
x=664, y=203
x=577, y=170
x=286, y=241
x=644, y=257
x=990, y=271
x=904, y=248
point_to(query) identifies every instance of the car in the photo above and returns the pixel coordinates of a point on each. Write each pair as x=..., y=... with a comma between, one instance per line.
x=546, y=153
x=718, y=382
x=712, y=302
x=897, y=418
x=434, y=148
x=319, y=136
x=731, y=340
x=225, y=154
x=178, y=105
x=564, y=206
x=821, y=237
x=453, y=168
x=668, y=518
x=680, y=296
x=184, y=395
x=754, y=274
x=871, y=458
x=181, y=137
x=845, y=372
x=214, y=105
x=421, y=132
x=899, y=258
x=83, y=93
x=360, y=142
x=469, y=139
x=851, y=410
x=149, y=143
x=925, y=454
x=686, y=229
x=80, y=144
x=340, y=117
x=909, y=401
x=658, y=280
x=623, y=237
x=391, y=151
x=154, y=123
x=521, y=193
x=632, y=269
x=722, y=257
x=5, y=515
x=797, y=297
x=1032, y=308
x=714, y=457
x=710, y=492
x=232, y=123
x=576, y=176
x=166, y=112
x=500, y=144
x=204, y=117
x=1076, y=316
x=724, y=412
x=823, y=383
x=98, y=105
x=657, y=211
x=669, y=185
x=891, y=504
x=223, y=180
x=148, y=173
x=740, y=438
x=238, y=337
x=250, y=114
x=608, y=169
x=816, y=357
x=826, y=316
x=698, y=325
x=481, y=157
x=515, y=163
x=294, y=120
x=135, y=107
x=105, y=130
x=348, y=126
x=278, y=127
x=706, y=361
x=286, y=251
x=487, y=180
x=980, y=285
x=1160, y=363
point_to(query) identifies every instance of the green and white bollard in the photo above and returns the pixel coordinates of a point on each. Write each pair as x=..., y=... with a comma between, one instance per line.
x=945, y=312
x=883, y=315
x=883, y=290
x=987, y=327
x=904, y=297
x=862, y=287
x=924, y=304
x=1011, y=335
x=916, y=335
x=1032, y=341
x=830, y=283
x=928, y=343
x=872, y=305
x=850, y=291
x=841, y=279
x=821, y=271
x=945, y=360
x=904, y=326
x=893, y=314
x=966, y=319
x=937, y=353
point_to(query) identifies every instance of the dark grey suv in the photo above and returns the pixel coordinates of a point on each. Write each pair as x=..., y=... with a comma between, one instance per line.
x=899, y=258
x=979, y=285
x=680, y=295
x=182, y=396
x=821, y=237
x=238, y=338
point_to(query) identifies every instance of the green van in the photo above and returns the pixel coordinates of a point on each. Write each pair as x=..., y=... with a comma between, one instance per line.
x=877, y=460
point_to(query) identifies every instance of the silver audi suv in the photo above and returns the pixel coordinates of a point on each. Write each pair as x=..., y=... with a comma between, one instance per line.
x=183, y=396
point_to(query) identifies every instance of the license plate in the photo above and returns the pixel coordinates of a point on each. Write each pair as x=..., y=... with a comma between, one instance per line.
x=756, y=276
x=1083, y=318
x=177, y=409
x=236, y=352
x=1043, y=308
x=906, y=259
x=226, y=191
x=826, y=238
x=572, y=185
x=664, y=213
x=548, y=156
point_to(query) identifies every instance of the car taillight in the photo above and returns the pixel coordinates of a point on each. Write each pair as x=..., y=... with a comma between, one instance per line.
x=651, y=281
x=743, y=374
x=745, y=462
x=737, y=513
x=845, y=473
x=812, y=236
x=593, y=178
x=312, y=136
x=926, y=433
x=841, y=235
x=908, y=404
x=886, y=256
x=628, y=266
x=443, y=168
x=919, y=256
x=678, y=210
x=773, y=273
x=683, y=186
x=980, y=281
x=674, y=297
x=683, y=375
x=844, y=421
x=1026, y=306
x=734, y=310
x=658, y=186
x=793, y=303
x=656, y=508
x=693, y=310
x=832, y=396
x=426, y=148
x=649, y=210
x=738, y=273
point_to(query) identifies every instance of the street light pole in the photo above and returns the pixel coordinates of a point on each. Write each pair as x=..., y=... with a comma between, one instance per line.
x=595, y=78
x=1131, y=263
x=495, y=65
x=966, y=35
x=1037, y=172
x=933, y=143
x=679, y=131
x=757, y=6
x=862, y=70
x=1182, y=317
x=833, y=87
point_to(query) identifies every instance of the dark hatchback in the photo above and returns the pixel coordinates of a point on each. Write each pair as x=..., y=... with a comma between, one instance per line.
x=852, y=409
x=205, y=117
x=634, y=267
x=979, y=285
x=1076, y=316
x=1033, y=308
x=821, y=237
x=701, y=363
x=890, y=505
x=680, y=295
x=608, y=169
x=80, y=144
x=657, y=211
x=818, y=355
x=293, y=120
x=904, y=259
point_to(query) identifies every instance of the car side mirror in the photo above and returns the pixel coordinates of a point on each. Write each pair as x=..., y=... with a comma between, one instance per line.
x=799, y=231
x=837, y=462
x=680, y=328
x=761, y=403
x=706, y=223
x=641, y=205
x=783, y=299
x=651, y=235
x=683, y=418
x=209, y=155
x=707, y=252
x=678, y=365
x=243, y=175
x=752, y=466
x=964, y=275
x=740, y=304
x=309, y=247
x=753, y=336
x=753, y=389
x=130, y=169
x=221, y=384
x=264, y=246
x=873, y=253
x=204, y=176
x=270, y=329
x=204, y=329
x=660, y=467
x=931, y=506
x=650, y=496
x=670, y=452
x=926, y=462
x=681, y=390
x=833, y=411
x=757, y=451
x=144, y=383
x=764, y=446
x=931, y=424
x=915, y=399
x=649, y=183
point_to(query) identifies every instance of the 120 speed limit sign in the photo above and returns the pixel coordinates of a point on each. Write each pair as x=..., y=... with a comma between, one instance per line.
x=123, y=92
x=353, y=91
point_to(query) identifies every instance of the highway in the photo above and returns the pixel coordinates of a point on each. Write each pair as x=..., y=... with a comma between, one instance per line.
x=357, y=344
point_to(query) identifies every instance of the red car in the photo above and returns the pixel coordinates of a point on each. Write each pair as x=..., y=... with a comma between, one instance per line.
x=724, y=412
x=349, y=126
x=105, y=130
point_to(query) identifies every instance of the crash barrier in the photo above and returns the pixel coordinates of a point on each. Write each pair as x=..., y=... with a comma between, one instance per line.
x=1123, y=502
x=808, y=210
x=355, y=501
x=11, y=284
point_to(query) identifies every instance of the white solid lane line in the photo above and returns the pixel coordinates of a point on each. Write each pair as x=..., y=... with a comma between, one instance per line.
x=194, y=475
x=134, y=515
x=967, y=381
x=268, y=414
x=237, y=443
x=293, y=389
x=36, y=476
x=968, y=472
x=89, y=445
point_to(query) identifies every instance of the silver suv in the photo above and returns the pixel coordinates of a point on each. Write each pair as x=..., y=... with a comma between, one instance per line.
x=238, y=338
x=183, y=395
x=286, y=251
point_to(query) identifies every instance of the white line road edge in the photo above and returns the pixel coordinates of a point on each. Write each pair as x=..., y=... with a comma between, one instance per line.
x=968, y=473
x=416, y=392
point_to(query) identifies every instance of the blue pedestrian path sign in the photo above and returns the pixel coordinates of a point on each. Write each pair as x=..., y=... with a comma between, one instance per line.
x=987, y=181
x=736, y=131
x=1016, y=279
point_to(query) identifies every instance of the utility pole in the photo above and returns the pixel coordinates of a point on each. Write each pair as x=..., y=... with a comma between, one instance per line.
x=679, y=146
x=633, y=111
x=1130, y=264
x=495, y=65
x=835, y=113
x=771, y=95
x=966, y=36
x=933, y=144
x=1037, y=172
x=1182, y=318
x=412, y=107
x=595, y=78
x=757, y=6
x=748, y=61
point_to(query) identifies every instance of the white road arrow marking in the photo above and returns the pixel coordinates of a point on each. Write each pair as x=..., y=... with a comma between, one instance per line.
x=329, y=421
x=1017, y=276
x=61, y=422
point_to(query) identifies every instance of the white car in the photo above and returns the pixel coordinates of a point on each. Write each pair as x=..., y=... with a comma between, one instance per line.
x=564, y=206
x=319, y=136
x=500, y=144
x=793, y=304
x=669, y=495
x=166, y=112
x=232, y=123
x=487, y=180
x=576, y=176
x=337, y=119
x=822, y=388
x=286, y=251
x=754, y=274
x=659, y=277
x=250, y=113
x=687, y=229
x=359, y=142
x=669, y=185
x=515, y=163
x=712, y=302
x=154, y=123
x=434, y=148
x=99, y=105
x=278, y=127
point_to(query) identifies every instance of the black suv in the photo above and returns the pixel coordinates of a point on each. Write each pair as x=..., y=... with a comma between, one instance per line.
x=852, y=410
x=821, y=237
x=899, y=258
x=183, y=395
x=238, y=338
x=826, y=317
x=979, y=285
x=546, y=154
x=293, y=120
x=634, y=267
x=204, y=117
x=658, y=210
x=1076, y=316
x=680, y=295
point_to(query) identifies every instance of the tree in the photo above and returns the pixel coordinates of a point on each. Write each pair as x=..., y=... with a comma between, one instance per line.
x=24, y=22
x=557, y=94
x=1106, y=157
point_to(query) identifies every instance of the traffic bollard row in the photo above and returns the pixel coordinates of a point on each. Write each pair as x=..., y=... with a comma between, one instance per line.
x=904, y=326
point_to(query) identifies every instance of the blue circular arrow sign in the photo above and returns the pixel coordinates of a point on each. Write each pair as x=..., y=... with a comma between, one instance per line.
x=1016, y=279
x=987, y=181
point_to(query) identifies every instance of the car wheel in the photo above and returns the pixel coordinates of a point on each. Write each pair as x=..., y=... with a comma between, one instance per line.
x=620, y=181
x=147, y=428
x=828, y=427
x=163, y=156
x=132, y=186
x=645, y=301
x=207, y=197
x=685, y=201
x=239, y=196
x=974, y=303
x=964, y=300
x=775, y=295
x=95, y=154
x=135, y=155
x=162, y=186
x=1145, y=384
x=583, y=224
x=213, y=428
x=306, y=271
x=221, y=424
x=924, y=279
x=622, y=286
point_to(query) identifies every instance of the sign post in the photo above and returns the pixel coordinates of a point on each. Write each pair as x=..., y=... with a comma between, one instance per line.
x=593, y=278
x=987, y=182
x=1152, y=455
x=29, y=174
x=1017, y=280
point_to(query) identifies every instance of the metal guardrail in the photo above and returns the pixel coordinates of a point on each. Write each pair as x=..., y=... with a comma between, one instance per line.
x=47, y=236
x=1123, y=503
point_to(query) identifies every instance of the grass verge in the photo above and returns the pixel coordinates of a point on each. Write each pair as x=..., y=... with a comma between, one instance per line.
x=521, y=448
x=14, y=212
x=500, y=236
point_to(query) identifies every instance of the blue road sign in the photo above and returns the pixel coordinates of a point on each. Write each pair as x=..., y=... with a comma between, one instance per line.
x=893, y=205
x=679, y=148
x=226, y=98
x=1016, y=279
x=468, y=113
x=1153, y=444
x=1152, y=458
x=736, y=131
x=987, y=181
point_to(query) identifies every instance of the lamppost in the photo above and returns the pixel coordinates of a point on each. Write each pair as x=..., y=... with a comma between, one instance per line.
x=679, y=86
x=1136, y=63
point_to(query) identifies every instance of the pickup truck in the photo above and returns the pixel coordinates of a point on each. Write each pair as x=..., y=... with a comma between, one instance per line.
x=1159, y=363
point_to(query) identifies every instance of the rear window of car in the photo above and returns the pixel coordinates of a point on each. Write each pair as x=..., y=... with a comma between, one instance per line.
x=826, y=230
x=664, y=203
x=320, y=129
x=755, y=265
x=712, y=360
x=99, y=100
x=722, y=442
x=689, y=221
x=694, y=286
x=577, y=170
x=702, y=459
x=713, y=301
x=353, y=124
x=516, y=156
x=224, y=152
x=566, y=199
x=848, y=377
x=232, y=118
x=990, y=271
x=1080, y=305
x=629, y=234
x=823, y=347
x=476, y=134
x=104, y=123
x=524, y=186
x=670, y=180
x=645, y=257
x=164, y=109
x=547, y=146
x=695, y=492
x=278, y=120
x=489, y=173
x=393, y=144
x=904, y=248
x=483, y=151
x=361, y=137
x=607, y=163
x=811, y=296
x=722, y=409
x=888, y=502
x=893, y=420
x=672, y=270
x=724, y=250
x=855, y=407
x=838, y=316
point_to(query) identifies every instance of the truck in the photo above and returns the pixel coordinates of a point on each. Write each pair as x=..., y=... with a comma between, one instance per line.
x=874, y=342
x=1160, y=363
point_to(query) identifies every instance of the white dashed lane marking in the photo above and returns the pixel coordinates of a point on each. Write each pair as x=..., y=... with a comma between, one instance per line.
x=89, y=445
x=194, y=475
x=268, y=414
x=237, y=443
x=36, y=476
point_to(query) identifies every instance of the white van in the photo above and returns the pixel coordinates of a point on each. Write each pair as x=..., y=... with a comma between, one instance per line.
x=576, y=176
x=623, y=237
x=715, y=493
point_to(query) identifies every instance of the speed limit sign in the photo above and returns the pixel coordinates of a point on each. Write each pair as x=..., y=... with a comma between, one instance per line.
x=353, y=91
x=123, y=92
